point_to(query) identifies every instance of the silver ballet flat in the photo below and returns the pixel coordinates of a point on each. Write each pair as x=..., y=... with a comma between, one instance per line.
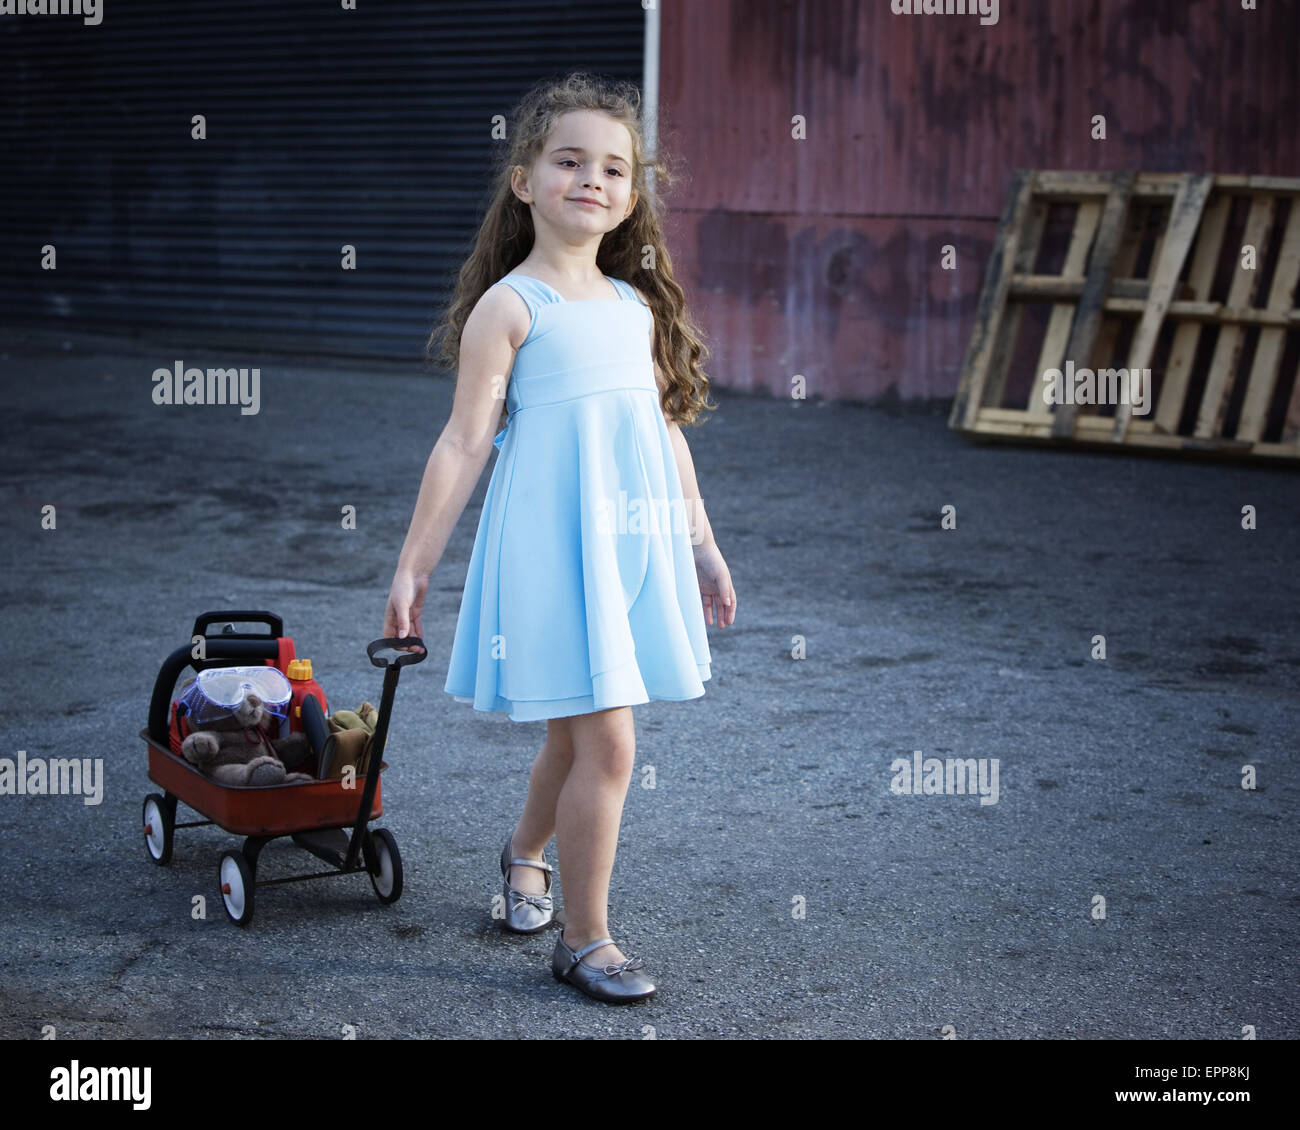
x=525, y=913
x=616, y=983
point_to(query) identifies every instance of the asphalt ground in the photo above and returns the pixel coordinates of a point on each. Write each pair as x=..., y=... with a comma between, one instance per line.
x=773, y=883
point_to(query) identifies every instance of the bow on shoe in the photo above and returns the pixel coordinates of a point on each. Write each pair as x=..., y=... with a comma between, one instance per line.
x=542, y=902
x=632, y=964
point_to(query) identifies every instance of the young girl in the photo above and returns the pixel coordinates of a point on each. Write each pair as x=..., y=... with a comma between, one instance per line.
x=594, y=566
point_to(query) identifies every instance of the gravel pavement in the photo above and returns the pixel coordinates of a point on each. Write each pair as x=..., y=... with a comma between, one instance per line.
x=772, y=881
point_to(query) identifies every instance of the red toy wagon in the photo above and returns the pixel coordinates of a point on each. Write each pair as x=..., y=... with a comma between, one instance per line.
x=315, y=814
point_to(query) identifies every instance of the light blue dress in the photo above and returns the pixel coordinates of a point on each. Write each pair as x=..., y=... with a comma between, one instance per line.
x=581, y=593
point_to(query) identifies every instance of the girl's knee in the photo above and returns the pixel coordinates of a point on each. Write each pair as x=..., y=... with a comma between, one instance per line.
x=614, y=764
x=605, y=741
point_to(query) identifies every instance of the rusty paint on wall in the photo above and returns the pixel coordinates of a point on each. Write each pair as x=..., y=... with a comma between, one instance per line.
x=822, y=256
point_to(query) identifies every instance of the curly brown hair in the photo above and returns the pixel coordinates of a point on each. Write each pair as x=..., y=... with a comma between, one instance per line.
x=635, y=251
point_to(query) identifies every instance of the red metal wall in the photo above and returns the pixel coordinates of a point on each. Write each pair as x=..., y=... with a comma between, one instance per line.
x=822, y=256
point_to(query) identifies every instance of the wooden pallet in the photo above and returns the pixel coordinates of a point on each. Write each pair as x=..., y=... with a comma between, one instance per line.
x=1148, y=275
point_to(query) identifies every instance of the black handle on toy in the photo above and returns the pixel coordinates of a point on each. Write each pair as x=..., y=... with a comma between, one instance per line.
x=395, y=644
x=214, y=647
x=207, y=619
x=379, y=740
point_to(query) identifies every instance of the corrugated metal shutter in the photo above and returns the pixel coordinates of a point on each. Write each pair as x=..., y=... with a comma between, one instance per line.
x=325, y=127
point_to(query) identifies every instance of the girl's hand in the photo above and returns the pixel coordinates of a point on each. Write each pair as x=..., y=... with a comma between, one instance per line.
x=405, y=603
x=715, y=586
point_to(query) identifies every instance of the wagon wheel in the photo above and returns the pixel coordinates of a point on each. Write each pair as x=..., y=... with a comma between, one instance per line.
x=237, y=888
x=384, y=863
x=159, y=824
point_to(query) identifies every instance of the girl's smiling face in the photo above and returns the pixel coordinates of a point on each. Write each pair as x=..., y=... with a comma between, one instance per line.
x=582, y=182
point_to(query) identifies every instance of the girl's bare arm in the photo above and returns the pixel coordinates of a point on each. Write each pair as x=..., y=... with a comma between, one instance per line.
x=701, y=531
x=716, y=589
x=487, y=350
x=462, y=450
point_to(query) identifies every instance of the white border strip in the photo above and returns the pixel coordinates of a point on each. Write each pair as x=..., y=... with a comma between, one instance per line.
x=650, y=85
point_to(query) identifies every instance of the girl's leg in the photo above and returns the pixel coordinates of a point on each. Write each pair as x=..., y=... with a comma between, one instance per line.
x=588, y=815
x=537, y=824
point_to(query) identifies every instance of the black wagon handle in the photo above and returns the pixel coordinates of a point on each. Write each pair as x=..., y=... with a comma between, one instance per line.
x=206, y=619
x=379, y=739
x=396, y=643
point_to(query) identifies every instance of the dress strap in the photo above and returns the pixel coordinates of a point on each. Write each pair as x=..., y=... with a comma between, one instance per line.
x=534, y=292
x=625, y=290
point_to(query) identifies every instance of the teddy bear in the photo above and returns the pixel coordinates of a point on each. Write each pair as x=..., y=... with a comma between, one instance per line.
x=236, y=750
